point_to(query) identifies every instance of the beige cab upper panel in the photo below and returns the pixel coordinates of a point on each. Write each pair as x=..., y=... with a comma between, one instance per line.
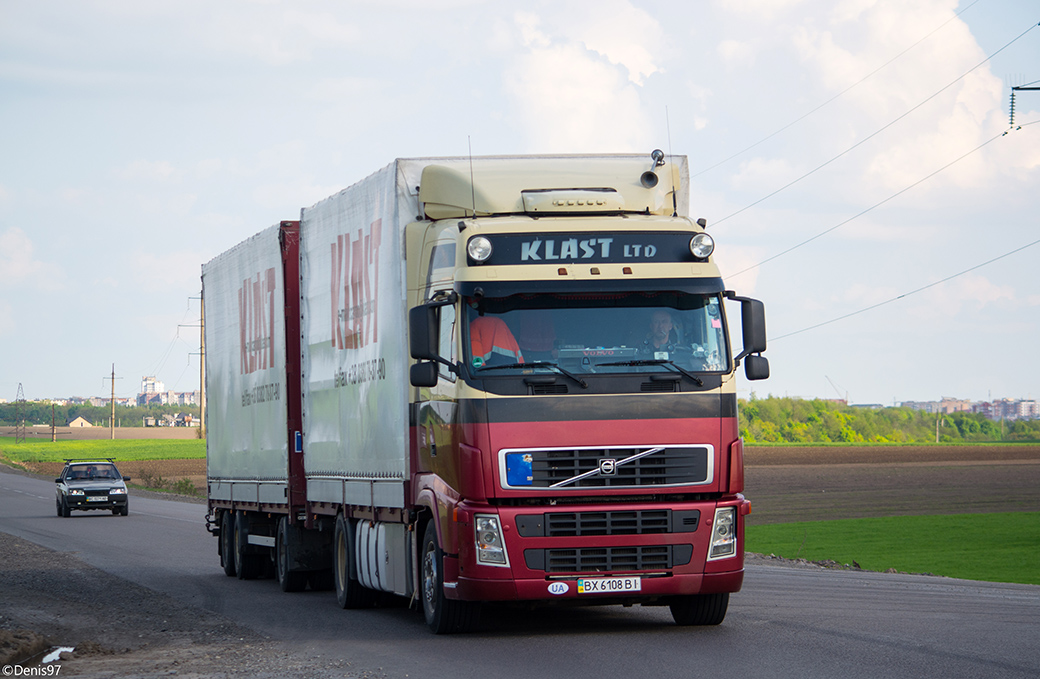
x=460, y=188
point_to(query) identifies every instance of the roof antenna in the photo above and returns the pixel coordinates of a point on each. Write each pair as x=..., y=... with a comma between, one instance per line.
x=671, y=171
x=472, y=187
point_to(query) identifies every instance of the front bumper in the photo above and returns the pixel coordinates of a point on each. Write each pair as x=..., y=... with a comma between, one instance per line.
x=547, y=566
x=84, y=503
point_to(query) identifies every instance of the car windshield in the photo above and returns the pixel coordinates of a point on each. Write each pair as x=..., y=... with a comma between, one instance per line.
x=596, y=333
x=83, y=472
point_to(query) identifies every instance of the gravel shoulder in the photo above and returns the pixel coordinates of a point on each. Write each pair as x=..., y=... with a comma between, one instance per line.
x=117, y=628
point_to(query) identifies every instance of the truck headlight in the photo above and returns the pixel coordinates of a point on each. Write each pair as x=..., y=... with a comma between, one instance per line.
x=490, y=547
x=702, y=245
x=723, y=534
x=479, y=249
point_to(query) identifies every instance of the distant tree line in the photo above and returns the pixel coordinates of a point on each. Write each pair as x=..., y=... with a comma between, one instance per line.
x=785, y=420
x=39, y=412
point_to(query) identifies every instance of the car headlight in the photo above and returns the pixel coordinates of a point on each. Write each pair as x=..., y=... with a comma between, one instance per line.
x=75, y=491
x=723, y=534
x=490, y=548
x=117, y=491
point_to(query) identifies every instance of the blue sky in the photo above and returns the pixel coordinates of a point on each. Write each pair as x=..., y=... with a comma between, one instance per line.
x=140, y=139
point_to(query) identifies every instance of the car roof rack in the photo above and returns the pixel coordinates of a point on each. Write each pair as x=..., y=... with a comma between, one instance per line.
x=89, y=459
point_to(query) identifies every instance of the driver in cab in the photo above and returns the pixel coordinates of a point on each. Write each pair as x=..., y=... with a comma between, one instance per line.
x=661, y=337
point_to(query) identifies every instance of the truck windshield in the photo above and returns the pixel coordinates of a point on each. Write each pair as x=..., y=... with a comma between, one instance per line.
x=595, y=333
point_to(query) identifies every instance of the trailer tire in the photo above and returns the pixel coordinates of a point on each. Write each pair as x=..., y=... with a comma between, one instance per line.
x=443, y=615
x=227, y=543
x=247, y=566
x=288, y=580
x=350, y=593
x=700, y=609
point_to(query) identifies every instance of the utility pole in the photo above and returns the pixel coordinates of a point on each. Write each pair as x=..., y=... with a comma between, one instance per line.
x=112, y=403
x=202, y=361
x=19, y=418
x=1020, y=88
x=202, y=365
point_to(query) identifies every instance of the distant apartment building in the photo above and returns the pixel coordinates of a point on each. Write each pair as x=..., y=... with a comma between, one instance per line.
x=1001, y=409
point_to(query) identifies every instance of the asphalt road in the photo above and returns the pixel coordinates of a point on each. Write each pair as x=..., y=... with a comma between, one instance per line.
x=787, y=622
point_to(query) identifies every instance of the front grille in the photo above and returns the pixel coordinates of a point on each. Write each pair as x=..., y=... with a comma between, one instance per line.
x=582, y=524
x=561, y=524
x=670, y=466
x=96, y=493
x=608, y=559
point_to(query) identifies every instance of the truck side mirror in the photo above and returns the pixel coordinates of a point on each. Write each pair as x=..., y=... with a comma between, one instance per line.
x=756, y=367
x=422, y=332
x=423, y=375
x=753, y=328
x=753, y=324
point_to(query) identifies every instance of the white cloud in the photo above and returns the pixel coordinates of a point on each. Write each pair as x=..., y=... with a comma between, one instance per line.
x=568, y=98
x=19, y=266
x=736, y=53
x=625, y=35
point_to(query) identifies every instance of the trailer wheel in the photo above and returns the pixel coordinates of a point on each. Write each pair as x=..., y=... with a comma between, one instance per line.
x=700, y=609
x=350, y=593
x=227, y=543
x=247, y=566
x=443, y=615
x=288, y=580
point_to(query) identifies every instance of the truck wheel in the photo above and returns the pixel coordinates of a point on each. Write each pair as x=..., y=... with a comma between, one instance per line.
x=227, y=543
x=443, y=615
x=350, y=593
x=288, y=580
x=700, y=609
x=247, y=566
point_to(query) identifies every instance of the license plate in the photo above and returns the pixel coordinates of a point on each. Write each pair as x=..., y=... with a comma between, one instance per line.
x=97, y=498
x=608, y=585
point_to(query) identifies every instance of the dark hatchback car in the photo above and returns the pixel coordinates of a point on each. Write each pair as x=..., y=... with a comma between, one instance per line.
x=87, y=485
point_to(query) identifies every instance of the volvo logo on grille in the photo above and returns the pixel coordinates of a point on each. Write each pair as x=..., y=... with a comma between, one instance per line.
x=608, y=467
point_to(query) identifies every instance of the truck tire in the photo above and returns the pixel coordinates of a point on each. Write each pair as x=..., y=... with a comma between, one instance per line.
x=288, y=580
x=443, y=615
x=700, y=609
x=350, y=593
x=247, y=566
x=227, y=543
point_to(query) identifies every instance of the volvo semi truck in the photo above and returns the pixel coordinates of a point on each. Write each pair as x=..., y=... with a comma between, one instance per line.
x=492, y=380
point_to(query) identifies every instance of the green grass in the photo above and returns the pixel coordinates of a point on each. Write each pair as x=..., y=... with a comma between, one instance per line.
x=119, y=450
x=991, y=547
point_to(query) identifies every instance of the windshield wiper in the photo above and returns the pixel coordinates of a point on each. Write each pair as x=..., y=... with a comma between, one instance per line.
x=659, y=361
x=538, y=364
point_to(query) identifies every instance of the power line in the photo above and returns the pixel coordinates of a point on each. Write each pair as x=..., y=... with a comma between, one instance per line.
x=836, y=96
x=906, y=294
x=877, y=132
x=872, y=207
